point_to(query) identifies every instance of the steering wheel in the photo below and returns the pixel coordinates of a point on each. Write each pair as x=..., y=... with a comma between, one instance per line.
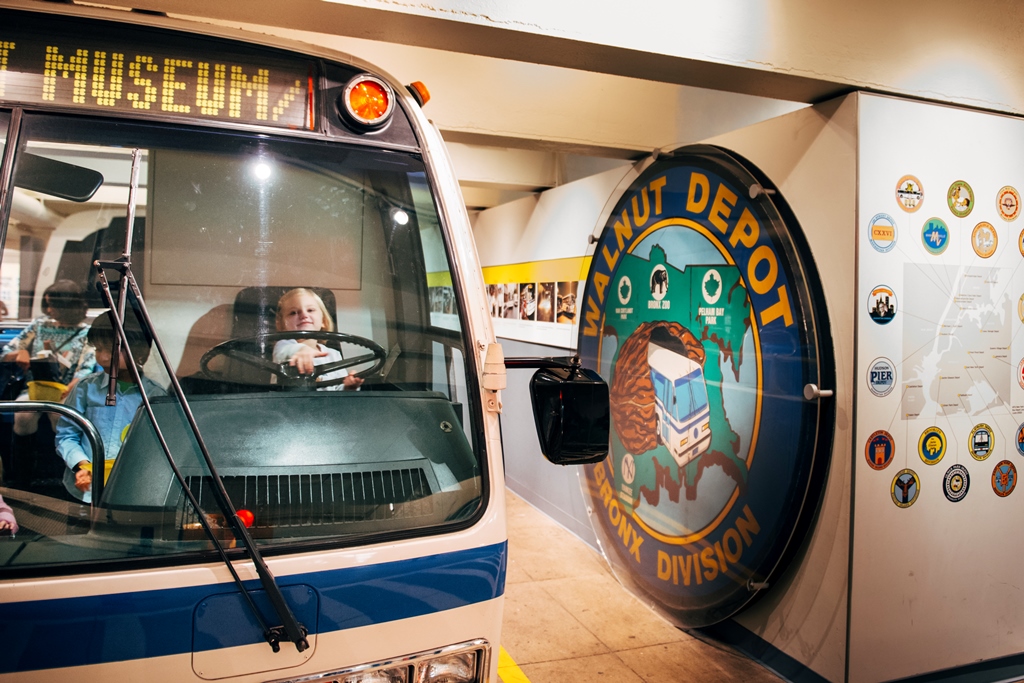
x=246, y=350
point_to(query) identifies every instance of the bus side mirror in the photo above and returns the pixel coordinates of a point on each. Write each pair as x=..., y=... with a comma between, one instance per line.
x=570, y=407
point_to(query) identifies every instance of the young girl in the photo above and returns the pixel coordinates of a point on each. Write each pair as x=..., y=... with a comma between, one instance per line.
x=303, y=310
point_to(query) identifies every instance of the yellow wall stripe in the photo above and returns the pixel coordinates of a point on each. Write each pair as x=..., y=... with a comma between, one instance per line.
x=508, y=670
x=555, y=270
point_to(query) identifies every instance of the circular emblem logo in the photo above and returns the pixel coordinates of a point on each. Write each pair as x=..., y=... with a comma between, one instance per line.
x=905, y=487
x=931, y=446
x=881, y=376
x=1020, y=373
x=935, y=236
x=882, y=304
x=1020, y=308
x=717, y=457
x=624, y=290
x=960, y=199
x=1008, y=203
x=955, y=483
x=711, y=286
x=628, y=468
x=659, y=282
x=984, y=239
x=1004, y=478
x=882, y=232
x=909, y=193
x=1020, y=439
x=880, y=450
x=981, y=441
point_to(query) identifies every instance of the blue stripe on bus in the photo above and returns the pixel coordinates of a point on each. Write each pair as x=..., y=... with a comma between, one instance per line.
x=44, y=634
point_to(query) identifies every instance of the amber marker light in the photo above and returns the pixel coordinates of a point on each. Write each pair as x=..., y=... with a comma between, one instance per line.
x=367, y=101
x=419, y=92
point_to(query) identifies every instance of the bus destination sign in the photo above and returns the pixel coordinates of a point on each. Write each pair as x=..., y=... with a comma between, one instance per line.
x=158, y=75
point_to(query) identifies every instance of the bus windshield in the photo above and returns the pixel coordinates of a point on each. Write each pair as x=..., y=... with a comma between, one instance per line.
x=302, y=291
x=691, y=395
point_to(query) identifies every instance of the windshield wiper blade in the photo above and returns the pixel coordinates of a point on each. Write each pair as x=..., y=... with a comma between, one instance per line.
x=290, y=628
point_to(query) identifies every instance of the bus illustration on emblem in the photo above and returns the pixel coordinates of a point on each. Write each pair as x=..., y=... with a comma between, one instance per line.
x=680, y=398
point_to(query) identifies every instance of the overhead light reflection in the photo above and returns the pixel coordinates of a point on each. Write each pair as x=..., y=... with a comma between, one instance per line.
x=262, y=170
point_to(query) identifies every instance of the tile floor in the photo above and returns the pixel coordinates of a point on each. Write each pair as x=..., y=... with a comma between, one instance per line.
x=568, y=619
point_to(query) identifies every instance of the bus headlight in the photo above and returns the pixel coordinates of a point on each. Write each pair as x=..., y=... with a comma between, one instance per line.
x=400, y=675
x=460, y=668
x=462, y=663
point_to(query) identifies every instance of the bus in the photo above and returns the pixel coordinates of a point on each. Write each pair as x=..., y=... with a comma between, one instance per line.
x=680, y=400
x=199, y=208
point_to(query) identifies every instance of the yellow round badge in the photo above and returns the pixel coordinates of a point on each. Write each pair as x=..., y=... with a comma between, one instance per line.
x=905, y=487
x=982, y=441
x=984, y=239
x=932, y=445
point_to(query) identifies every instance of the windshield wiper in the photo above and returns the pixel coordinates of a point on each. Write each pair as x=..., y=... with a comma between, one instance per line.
x=290, y=629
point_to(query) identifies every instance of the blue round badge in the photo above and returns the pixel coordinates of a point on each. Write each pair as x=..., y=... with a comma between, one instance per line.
x=702, y=376
x=935, y=236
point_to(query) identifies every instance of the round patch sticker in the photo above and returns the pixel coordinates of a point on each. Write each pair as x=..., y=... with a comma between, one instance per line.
x=981, y=442
x=909, y=193
x=1008, y=203
x=935, y=236
x=984, y=239
x=881, y=376
x=880, y=450
x=905, y=487
x=1020, y=439
x=1004, y=478
x=882, y=304
x=955, y=483
x=1020, y=308
x=1020, y=373
x=882, y=232
x=960, y=199
x=931, y=446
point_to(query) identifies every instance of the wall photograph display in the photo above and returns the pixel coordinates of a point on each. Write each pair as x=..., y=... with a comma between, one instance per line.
x=541, y=302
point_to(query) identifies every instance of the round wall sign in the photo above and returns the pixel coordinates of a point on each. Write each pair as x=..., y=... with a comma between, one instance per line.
x=706, y=379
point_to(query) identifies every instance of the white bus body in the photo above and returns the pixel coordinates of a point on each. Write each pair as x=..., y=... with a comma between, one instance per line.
x=381, y=511
x=681, y=403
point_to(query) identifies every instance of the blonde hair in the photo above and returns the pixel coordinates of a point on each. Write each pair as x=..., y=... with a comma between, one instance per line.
x=299, y=291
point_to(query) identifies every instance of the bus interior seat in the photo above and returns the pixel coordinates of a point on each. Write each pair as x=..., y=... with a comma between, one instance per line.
x=106, y=244
x=252, y=313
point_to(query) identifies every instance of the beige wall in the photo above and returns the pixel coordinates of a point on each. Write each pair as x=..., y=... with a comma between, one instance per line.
x=803, y=50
